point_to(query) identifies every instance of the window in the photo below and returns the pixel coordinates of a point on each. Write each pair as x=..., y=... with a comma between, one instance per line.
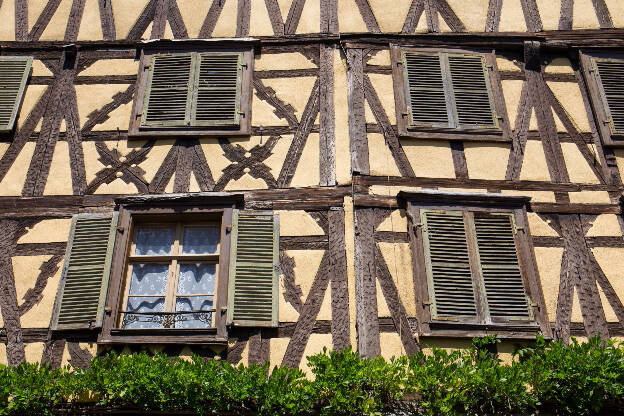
x=14, y=73
x=605, y=74
x=170, y=269
x=448, y=92
x=172, y=275
x=473, y=258
x=206, y=92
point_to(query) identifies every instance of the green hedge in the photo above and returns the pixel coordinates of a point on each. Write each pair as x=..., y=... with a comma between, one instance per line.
x=577, y=379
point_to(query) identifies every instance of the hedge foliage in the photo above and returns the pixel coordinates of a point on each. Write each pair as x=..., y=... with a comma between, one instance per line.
x=577, y=379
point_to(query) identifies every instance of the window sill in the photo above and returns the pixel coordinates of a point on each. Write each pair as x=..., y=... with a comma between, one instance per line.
x=510, y=330
x=162, y=336
x=177, y=132
x=483, y=135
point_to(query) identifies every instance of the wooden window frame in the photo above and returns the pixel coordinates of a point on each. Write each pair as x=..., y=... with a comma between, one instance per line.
x=597, y=98
x=168, y=209
x=135, y=128
x=416, y=202
x=500, y=134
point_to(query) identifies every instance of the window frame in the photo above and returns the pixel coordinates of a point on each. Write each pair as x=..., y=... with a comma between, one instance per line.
x=500, y=134
x=597, y=99
x=419, y=201
x=136, y=129
x=191, y=208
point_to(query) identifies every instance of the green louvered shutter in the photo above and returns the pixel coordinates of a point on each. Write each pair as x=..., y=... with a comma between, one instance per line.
x=426, y=98
x=451, y=289
x=254, y=263
x=14, y=72
x=169, y=91
x=504, y=289
x=84, y=282
x=610, y=74
x=472, y=96
x=218, y=89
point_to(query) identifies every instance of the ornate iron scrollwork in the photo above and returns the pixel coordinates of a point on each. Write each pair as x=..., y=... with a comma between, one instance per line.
x=167, y=319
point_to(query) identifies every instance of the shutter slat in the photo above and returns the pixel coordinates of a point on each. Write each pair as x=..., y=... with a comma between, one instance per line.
x=253, y=274
x=448, y=265
x=218, y=89
x=504, y=288
x=14, y=72
x=425, y=90
x=611, y=75
x=472, y=96
x=85, y=273
x=169, y=90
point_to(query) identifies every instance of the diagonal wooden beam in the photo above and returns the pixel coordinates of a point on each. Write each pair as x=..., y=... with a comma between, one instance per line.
x=145, y=18
x=531, y=15
x=307, y=319
x=368, y=16
x=413, y=16
x=174, y=17
x=565, y=15
x=492, y=21
x=211, y=18
x=243, y=18
x=43, y=20
x=294, y=15
x=107, y=19
x=341, y=322
x=449, y=16
x=275, y=16
x=21, y=20
x=74, y=20
x=602, y=12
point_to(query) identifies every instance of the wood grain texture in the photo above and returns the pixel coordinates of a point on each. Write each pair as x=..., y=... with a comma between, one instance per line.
x=145, y=18
x=341, y=323
x=129, y=173
x=281, y=109
x=75, y=18
x=357, y=120
x=602, y=12
x=299, y=140
x=292, y=291
x=21, y=20
x=566, y=14
x=492, y=21
x=531, y=15
x=200, y=167
x=211, y=18
x=368, y=16
x=8, y=296
x=53, y=352
x=329, y=16
x=294, y=15
x=234, y=353
x=449, y=16
x=107, y=19
x=160, y=19
x=102, y=114
x=43, y=20
x=243, y=18
x=184, y=165
x=275, y=16
x=459, y=160
x=367, y=322
x=307, y=319
x=242, y=164
x=390, y=137
x=413, y=16
x=431, y=13
x=520, y=134
x=74, y=140
x=174, y=17
x=327, y=144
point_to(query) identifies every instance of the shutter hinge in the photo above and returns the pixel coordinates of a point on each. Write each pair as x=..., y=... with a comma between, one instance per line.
x=405, y=114
x=121, y=229
x=276, y=267
x=138, y=115
x=244, y=66
x=607, y=120
x=490, y=67
x=427, y=303
x=228, y=229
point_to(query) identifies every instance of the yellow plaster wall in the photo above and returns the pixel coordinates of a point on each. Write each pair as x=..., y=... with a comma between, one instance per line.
x=472, y=13
x=112, y=67
x=3, y=357
x=259, y=22
x=549, y=11
x=55, y=30
x=310, y=21
x=619, y=158
x=616, y=10
x=534, y=167
x=7, y=17
x=578, y=168
x=429, y=158
x=487, y=161
x=294, y=91
x=380, y=158
x=390, y=19
x=549, y=266
x=349, y=18
x=512, y=17
x=193, y=19
x=584, y=15
x=26, y=270
x=306, y=266
x=90, y=24
x=307, y=172
x=399, y=261
x=33, y=351
x=539, y=227
x=605, y=225
x=391, y=345
x=59, y=179
x=13, y=182
x=385, y=91
x=536, y=196
x=125, y=14
x=396, y=221
x=569, y=95
x=281, y=61
x=47, y=231
x=31, y=98
x=315, y=345
x=589, y=197
x=93, y=97
x=293, y=223
x=226, y=25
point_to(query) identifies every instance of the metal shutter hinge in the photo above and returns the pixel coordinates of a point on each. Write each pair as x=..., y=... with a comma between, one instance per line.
x=228, y=229
x=427, y=303
x=489, y=67
x=244, y=66
x=121, y=229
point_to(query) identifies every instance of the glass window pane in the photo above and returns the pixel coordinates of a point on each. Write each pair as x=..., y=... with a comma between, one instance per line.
x=143, y=304
x=195, y=320
x=200, y=240
x=149, y=279
x=153, y=241
x=198, y=278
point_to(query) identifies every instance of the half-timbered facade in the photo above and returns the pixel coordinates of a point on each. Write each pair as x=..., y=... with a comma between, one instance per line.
x=255, y=180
